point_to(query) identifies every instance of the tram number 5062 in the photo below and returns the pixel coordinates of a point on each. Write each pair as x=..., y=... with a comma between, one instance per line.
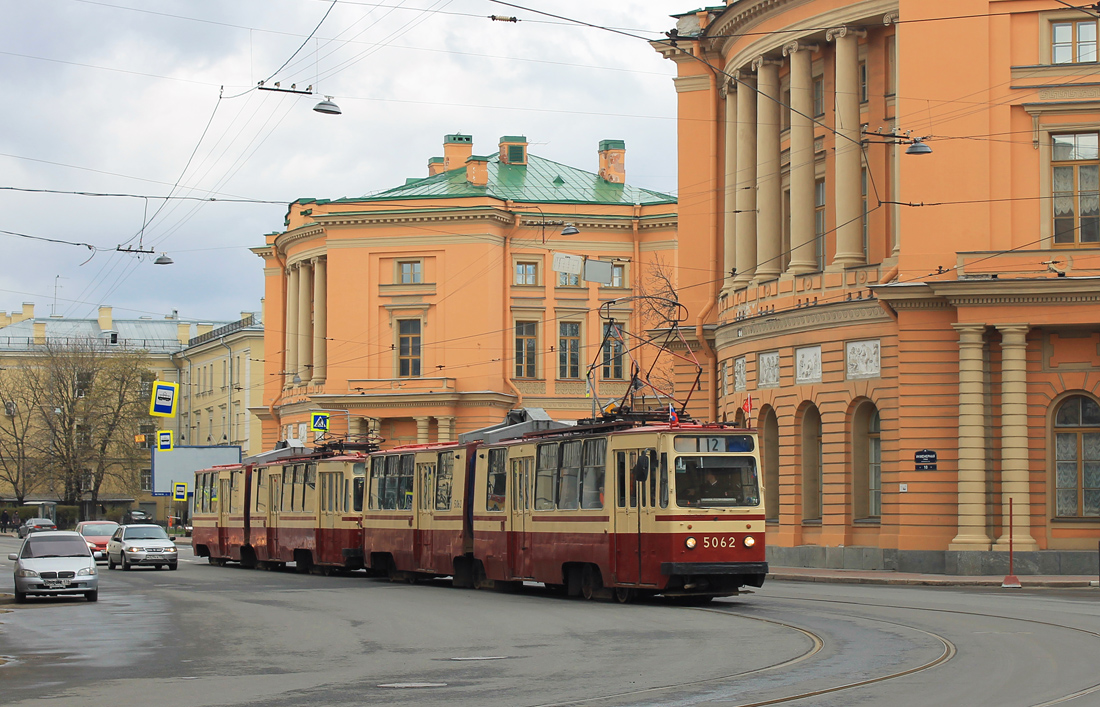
x=710, y=541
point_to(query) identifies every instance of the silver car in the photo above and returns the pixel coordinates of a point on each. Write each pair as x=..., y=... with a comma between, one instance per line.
x=141, y=545
x=53, y=564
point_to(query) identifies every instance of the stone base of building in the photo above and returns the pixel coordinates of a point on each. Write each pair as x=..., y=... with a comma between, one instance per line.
x=951, y=562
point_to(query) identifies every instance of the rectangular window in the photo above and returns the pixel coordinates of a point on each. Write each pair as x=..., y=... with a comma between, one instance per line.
x=408, y=348
x=620, y=473
x=891, y=64
x=405, y=482
x=569, y=480
x=527, y=273
x=569, y=350
x=443, y=481
x=1076, y=189
x=865, y=218
x=863, y=82
x=614, y=350
x=148, y=435
x=410, y=272
x=819, y=96
x=784, y=110
x=497, y=481
x=568, y=279
x=146, y=479
x=546, y=476
x=1073, y=42
x=526, y=341
x=592, y=480
x=618, y=273
x=819, y=223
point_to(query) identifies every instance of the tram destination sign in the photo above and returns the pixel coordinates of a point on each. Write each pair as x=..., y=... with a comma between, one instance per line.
x=925, y=460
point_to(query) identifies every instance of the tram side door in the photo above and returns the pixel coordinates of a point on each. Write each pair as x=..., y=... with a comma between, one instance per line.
x=522, y=557
x=225, y=507
x=327, y=484
x=274, y=485
x=627, y=549
x=425, y=477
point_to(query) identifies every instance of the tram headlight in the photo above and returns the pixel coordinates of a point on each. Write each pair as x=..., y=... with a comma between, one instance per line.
x=690, y=542
x=749, y=541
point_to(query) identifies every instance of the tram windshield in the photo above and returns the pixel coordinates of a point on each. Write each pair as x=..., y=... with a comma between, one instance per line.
x=716, y=482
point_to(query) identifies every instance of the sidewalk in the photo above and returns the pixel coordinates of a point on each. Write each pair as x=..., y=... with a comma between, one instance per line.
x=809, y=574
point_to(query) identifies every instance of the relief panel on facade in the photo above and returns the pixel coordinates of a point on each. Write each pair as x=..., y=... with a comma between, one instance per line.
x=863, y=359
x=767, y=367
x=739, y=378
x=807, y=365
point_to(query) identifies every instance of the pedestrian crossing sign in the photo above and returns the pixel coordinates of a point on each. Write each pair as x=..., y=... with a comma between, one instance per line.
x=164, y=398
x=164, y=441
x=318, y=421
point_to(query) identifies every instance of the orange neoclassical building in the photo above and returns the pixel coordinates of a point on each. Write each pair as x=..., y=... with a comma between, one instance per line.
x=899, y=201
x=433, y=308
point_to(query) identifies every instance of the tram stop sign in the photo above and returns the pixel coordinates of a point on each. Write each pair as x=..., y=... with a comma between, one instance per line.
x=179, y=492
x=164, y=441
x=925, y=460
x=164, y=399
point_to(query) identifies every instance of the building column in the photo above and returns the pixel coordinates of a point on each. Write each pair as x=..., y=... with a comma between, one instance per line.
x=769, y=197
x=446, y=425
x=746, y=179
x=849, y=163
x=1015, y=481
x=729, y=170
x=320, y=320
x=291, y=334
x=803, y=159
x=422, y=429
x=305, y=322
x=972, y=533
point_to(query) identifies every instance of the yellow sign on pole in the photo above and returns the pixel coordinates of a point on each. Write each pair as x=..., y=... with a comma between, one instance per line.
x=318, y=421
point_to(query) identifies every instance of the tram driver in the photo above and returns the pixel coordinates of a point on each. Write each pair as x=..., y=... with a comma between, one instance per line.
x=707, y=483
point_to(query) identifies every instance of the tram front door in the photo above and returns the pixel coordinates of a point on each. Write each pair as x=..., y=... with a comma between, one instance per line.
x=520, y=554
x=225, y=506
x=627, y=550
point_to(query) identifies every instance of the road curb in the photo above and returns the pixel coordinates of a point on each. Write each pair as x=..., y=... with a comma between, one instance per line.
x=928, y=581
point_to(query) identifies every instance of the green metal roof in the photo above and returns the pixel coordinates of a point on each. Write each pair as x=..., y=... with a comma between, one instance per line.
x=540, y=180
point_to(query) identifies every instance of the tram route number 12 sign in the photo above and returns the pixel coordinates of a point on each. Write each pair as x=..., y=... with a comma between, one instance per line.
x=925, y=460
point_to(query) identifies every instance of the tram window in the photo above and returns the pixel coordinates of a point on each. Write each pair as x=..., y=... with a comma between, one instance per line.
x=631, y=482
x=389, y=483
x=309, y=489
x=664, y=480
x=712, y=481
x=569, y=478
x=595, y=453
x=444, y=474
x=496, y=481
x=287, y=480
x=258, y=493
x=311, y=475
x=652, y=478
x=357, y=493
x=546, y=472
x=377, y=467
x=405, y=483
x=426, y=472
x=620, y=473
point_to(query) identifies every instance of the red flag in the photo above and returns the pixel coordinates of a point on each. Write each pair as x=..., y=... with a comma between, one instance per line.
x=747, y=405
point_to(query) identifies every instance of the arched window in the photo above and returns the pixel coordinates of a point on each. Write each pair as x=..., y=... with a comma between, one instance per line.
x=1077, y=458
x=866, y=462
x=811, y=464
x=769, y=449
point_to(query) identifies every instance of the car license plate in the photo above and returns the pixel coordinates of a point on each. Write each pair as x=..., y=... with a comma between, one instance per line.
x=57, y=583
x=154, y=557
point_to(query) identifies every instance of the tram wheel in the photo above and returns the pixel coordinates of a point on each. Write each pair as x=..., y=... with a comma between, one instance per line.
x=624, y=595
x=590, y=582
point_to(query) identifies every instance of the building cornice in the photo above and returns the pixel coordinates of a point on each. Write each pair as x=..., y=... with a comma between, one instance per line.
x=792, y=322
x=1043, y=291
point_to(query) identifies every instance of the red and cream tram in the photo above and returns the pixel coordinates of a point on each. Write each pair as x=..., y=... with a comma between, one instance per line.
x=304, y=509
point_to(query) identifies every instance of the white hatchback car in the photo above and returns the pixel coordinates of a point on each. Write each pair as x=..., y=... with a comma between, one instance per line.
x=55, y=563
x=141, y=545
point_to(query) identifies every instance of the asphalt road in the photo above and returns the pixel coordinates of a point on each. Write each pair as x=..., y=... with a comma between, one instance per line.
x=207, y=635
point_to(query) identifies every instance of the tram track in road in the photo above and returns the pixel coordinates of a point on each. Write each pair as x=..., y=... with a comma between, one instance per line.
x=1090, y=690
x=818, y=644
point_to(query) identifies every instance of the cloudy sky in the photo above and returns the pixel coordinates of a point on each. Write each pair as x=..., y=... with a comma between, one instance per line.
x=114, y=96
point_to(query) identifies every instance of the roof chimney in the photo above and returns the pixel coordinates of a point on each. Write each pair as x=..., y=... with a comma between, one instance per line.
x=183, y=332
x=435, y=166
x=105, y=322
x=28, y=313
x=204, y=329
x=39, y=333
x=5, y=320
x=513, y=149
x=613, y=161
x=456, y=148
x=477, y=170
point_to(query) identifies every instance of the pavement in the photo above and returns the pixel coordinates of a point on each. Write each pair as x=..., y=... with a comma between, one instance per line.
x=832, y=576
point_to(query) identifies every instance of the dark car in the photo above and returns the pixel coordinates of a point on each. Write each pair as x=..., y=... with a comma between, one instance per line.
x=36, y=525
x=135, y=516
